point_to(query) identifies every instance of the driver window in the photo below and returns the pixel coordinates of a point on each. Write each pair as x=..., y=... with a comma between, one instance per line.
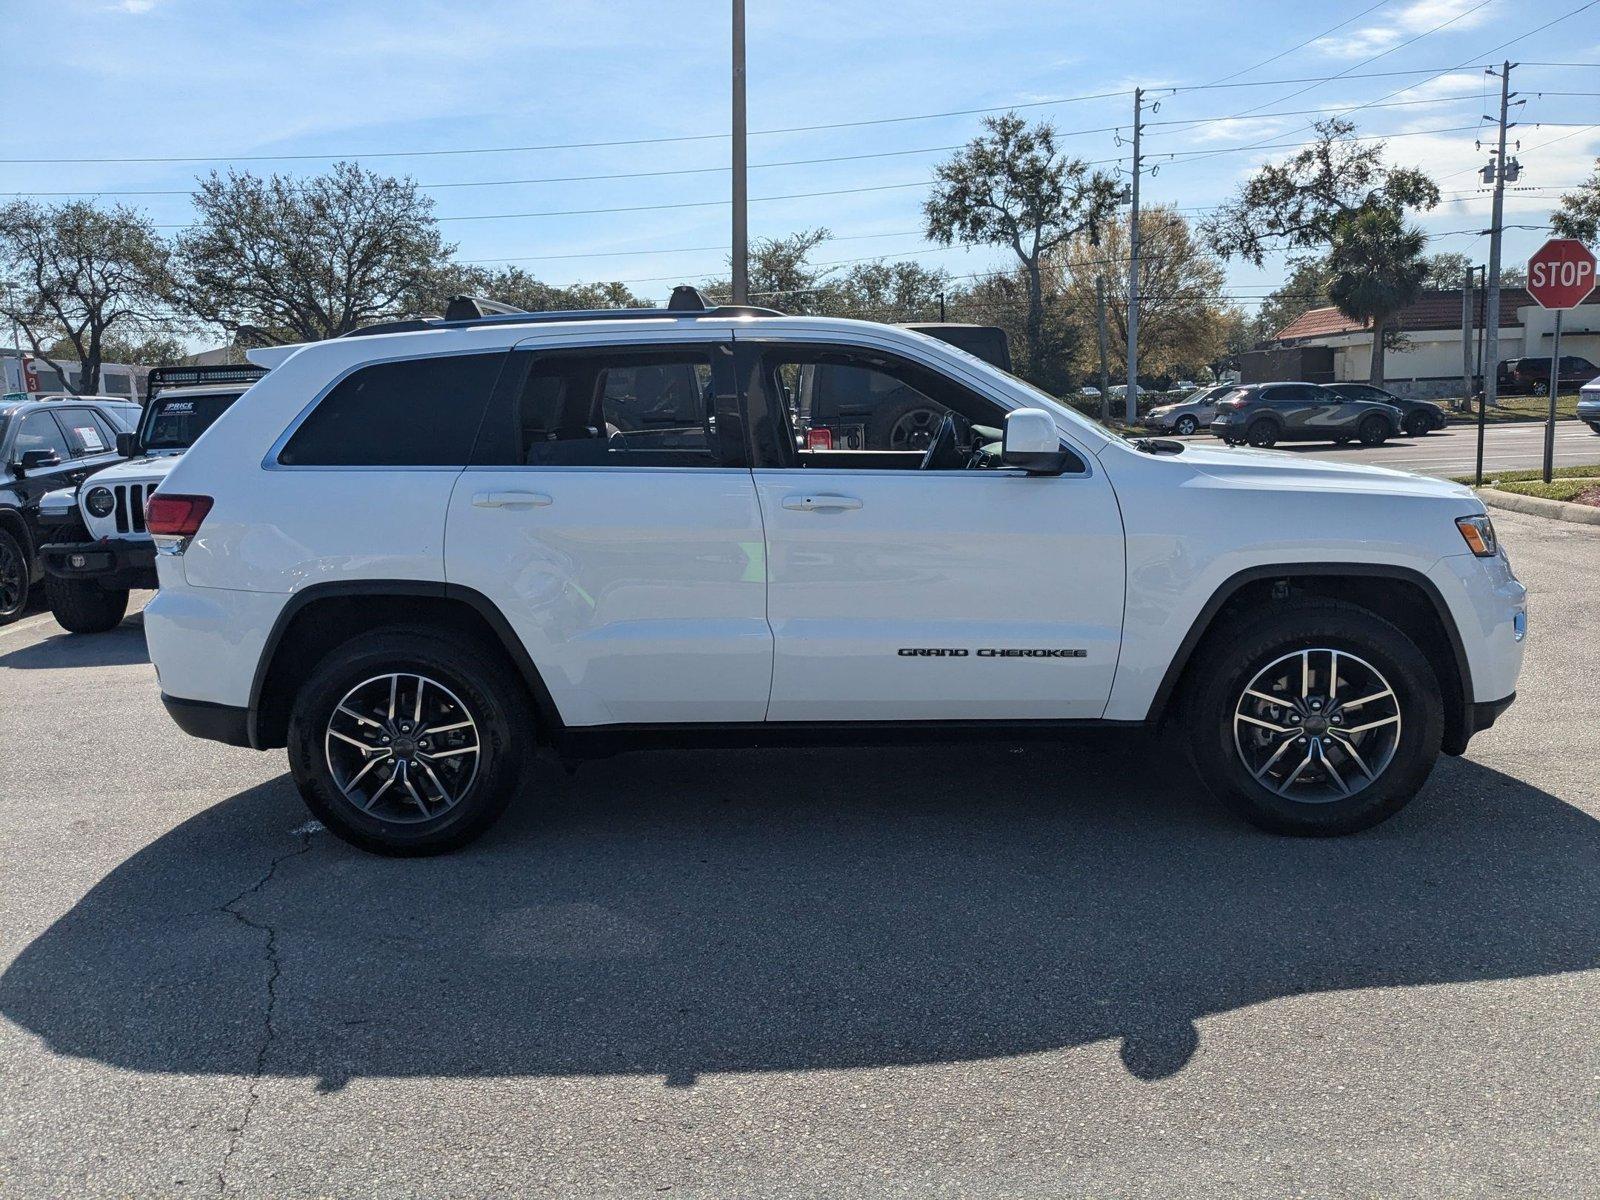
x=39, y=431
x=858, y=408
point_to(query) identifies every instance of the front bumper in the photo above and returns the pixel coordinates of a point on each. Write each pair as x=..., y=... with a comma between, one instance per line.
x=215, y=722
x=116, y=564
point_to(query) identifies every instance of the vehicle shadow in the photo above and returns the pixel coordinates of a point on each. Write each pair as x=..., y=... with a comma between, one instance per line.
x=115, y=648
x=678, y=914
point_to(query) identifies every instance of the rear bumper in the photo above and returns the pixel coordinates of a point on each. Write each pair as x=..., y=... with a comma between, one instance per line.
x=215, y=722
x=116, y=564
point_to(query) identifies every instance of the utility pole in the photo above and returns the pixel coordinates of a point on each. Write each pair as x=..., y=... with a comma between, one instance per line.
x=1132, y=408
x=1105, y=372
x=741, y=206
x=1466, y=339
x=1498, y=169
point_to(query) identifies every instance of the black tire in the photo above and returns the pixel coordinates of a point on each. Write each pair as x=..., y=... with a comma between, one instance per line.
x=905, y=423
x=1342, y=441
x=490, y=695
x=1417, y=424
x=1262, y=434
x=16, y=577
x=1230, y=662
x=1373, y=431
x=1540, y=389
x=1185, y=426
x=80, y=607
x=1595, y=425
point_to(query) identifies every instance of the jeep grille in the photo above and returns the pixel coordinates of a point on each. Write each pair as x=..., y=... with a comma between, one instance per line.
x=130, y=505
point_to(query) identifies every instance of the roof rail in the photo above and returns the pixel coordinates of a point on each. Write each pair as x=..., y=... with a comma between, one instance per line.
x=161, y=378
x=466, y=311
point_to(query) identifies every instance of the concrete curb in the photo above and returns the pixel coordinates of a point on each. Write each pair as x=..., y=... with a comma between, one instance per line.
x=1556, y=510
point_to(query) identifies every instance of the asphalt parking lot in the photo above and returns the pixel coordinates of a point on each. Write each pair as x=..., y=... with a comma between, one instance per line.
x=959, y=971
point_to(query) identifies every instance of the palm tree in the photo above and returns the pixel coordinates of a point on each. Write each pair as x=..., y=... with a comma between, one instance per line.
x=1376, y=268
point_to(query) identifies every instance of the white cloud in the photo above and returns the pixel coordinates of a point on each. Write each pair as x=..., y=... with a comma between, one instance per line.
x=135, y=7
x=1406, y=22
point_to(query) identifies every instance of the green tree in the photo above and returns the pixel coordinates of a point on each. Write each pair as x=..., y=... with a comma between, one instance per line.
x=74, y=276
x=1305, y=288
x=1012, y=186
x=290, y=260
x=1298, y=204
x=1376, y=268
x=151, y=350
x=1578, y=215
x=512, y=285
x=895, y=291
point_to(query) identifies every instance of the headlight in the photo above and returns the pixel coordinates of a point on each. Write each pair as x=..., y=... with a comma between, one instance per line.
x=1478, y=532
x=99, y=502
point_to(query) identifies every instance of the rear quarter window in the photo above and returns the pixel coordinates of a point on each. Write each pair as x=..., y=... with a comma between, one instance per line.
x=418, y=412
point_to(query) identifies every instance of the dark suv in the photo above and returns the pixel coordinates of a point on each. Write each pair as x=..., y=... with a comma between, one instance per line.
x=1522, y=375
x=1417, y=417
x=44, y=445
x=1264, y=414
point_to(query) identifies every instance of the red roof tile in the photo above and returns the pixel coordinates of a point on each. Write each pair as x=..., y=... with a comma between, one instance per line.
x=1434, y=310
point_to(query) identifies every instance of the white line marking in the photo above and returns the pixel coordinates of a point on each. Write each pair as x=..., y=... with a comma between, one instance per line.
x=31, y=623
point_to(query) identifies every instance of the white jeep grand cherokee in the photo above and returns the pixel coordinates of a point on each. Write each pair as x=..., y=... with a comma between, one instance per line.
x=414, y=557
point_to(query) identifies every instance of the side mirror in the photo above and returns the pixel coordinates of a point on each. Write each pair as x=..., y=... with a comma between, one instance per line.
x=35, y=460
x=1032, y=442
x=127, y=444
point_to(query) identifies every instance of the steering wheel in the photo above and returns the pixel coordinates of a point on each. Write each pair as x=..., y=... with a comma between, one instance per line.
x=942, y=453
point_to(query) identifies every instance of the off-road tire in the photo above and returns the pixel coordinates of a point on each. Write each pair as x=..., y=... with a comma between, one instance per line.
x=493, y=696
x=880, y=427
x=1231, y=658
x=82, y=607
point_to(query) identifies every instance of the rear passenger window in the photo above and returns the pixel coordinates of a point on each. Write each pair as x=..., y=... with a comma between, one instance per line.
x=419, y=412
x=85, y=434
x=619, y=409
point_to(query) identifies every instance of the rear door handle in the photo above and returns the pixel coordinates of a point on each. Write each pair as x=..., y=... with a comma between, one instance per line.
x=822, y=503
x=510, y=500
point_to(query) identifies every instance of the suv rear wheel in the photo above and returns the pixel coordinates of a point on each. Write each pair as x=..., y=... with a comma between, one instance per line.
x=1417, y=424
x=80, y=607
x=407, y=742
x=1373, y=431
x=1317, y=718
x=1262, y=433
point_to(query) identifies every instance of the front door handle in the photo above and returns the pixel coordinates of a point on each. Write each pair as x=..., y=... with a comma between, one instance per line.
x=510, y=500
x=820, y=503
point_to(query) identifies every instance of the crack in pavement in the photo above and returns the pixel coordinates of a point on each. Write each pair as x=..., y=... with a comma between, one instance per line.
x=269, y=1031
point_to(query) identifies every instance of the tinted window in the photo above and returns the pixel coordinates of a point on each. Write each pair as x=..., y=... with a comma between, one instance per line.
x=421, y=412
x=619, y=408
x=176, y=421
x=85, y=434
x=39, y=431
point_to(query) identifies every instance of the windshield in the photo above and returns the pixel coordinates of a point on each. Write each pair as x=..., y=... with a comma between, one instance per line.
x=173, y=423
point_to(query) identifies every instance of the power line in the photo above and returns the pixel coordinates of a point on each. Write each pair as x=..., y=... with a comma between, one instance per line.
x=1299, y=45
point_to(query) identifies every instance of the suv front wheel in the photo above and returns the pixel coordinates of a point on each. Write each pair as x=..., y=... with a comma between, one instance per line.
x=406, y=742
x=1314, y=718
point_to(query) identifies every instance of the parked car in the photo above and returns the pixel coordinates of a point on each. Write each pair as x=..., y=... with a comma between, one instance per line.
x=44, y=444
x=1417, y=417
x=1589, y=404
x=96, y=547
x=1189, y=414
x=1264, y=414
x=414, y=560
x=1532, y=375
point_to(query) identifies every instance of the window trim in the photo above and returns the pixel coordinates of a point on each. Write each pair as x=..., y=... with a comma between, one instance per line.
x=270, y=461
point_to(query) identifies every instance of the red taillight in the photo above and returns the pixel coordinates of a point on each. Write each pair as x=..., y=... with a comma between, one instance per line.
x=819, y=439
x=175, y=516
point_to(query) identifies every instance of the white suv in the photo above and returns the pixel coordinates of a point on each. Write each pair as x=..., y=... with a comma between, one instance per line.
x=416, y=557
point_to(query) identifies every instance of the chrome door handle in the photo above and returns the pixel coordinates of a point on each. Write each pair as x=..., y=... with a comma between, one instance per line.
x=820, y=503
x=510, y=500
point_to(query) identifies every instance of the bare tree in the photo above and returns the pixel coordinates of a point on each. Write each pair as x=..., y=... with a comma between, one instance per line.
x=74, y=276
x=304, y=259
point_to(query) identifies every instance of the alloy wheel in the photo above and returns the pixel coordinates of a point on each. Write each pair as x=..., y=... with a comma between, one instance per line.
x=1317, y=725
x=402, y=748
x=13, y=578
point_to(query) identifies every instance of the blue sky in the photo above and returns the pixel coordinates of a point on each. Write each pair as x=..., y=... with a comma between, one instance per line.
x=353, y=78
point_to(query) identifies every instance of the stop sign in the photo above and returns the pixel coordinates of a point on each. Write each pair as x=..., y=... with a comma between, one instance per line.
x=1561, y=273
